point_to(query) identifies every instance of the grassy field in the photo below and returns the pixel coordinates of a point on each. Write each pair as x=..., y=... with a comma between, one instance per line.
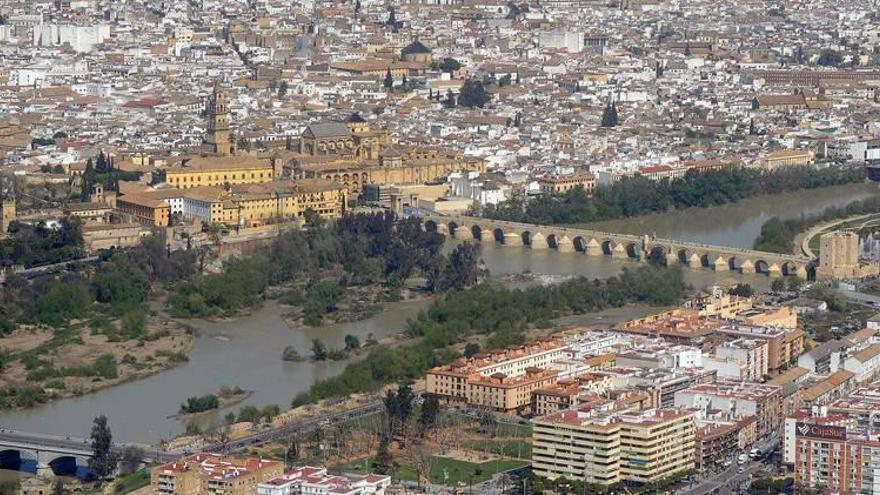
x=505, y=448
x=132, y=482
x=457, y=471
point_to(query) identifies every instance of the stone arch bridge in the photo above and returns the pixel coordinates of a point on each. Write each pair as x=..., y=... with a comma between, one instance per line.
x=620, y=246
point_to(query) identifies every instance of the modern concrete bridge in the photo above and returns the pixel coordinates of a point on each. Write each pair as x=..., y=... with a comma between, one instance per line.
x=621, y=246
x=48, y=455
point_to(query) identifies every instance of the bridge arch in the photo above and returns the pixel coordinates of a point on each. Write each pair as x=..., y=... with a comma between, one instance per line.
x=633, y=250
x=658, y=254
x=498, y=234
x=683, y=255
x=761, y=266
x=66, y=465
x=607, y=247
x=734, y=263
x=580, y=244
x=477, y=232
x=19, y=460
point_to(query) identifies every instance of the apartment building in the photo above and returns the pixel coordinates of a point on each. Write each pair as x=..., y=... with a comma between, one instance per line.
x=310, y=480
x=610, y=447
x=737, y=399
x=836, y=459
x=212, y=474
x=751, y=354
x=502, y=380
x=785, y=342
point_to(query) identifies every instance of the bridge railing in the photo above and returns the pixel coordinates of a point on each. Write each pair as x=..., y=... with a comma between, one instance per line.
x=765, y=255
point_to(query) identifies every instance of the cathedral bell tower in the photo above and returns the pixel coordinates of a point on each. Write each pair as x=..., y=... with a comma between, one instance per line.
x=217, y=139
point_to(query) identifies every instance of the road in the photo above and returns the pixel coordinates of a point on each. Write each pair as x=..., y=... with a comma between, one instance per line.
x=861, y=297
x=298, y=427
x=822, y=227
x=726, y=482
x=78, y=445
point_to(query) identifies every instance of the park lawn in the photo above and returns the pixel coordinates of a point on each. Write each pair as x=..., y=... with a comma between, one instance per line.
x=517, y=449
x=467, y=472
x=132, y=482
x=459, y=471
x=513, y=430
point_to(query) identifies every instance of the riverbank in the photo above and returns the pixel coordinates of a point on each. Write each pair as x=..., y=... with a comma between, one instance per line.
x=47, y=364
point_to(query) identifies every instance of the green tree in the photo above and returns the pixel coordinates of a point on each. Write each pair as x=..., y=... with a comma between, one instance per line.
x=103, y=460
x=742, y=290
x=829, y=58
x=282, y=89
x=383, y=462
x=388, y=83
x=88, y=180
x=428, y=415
x=777, y=285
x=471, y=349
x=62, y=302
x=473, y=94
x=319, y=350
x=449, y=65
x=352, y=342
x=609, y=116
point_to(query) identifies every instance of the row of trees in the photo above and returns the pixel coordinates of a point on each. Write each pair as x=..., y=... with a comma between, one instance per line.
x=503, y=315
x=35, y=245
x=777, y=235
x=639, y=195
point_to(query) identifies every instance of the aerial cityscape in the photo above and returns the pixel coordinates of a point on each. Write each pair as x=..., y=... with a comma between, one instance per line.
x=381, y=247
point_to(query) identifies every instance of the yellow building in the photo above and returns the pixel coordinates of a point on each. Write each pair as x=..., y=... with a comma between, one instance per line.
x=561, y=185
x=787, y=158
x=145, y=210
x=503, y=380
x=217, y=171
x=503, y=393
x=611, y=447
x=212, y=474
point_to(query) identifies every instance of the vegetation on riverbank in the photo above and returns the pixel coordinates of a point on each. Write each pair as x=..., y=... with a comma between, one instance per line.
x=503, y=315
x=210, y=402
x=777, y=235
x=370, y=249
x=74, y=332
x=639, y=195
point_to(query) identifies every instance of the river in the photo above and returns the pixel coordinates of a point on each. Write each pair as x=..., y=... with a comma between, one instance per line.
x=246, y=352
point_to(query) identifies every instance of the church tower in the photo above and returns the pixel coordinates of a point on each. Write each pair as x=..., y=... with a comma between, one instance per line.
x=217, y=139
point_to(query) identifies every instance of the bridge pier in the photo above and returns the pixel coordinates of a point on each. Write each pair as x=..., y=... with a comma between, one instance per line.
x=487, y=235
x=619, y=251
x=564, y=244
x=694, y=261
x=462, y=234
x=513, y=239
x=538, y=241
x=774, y=271
x=801, y=272
x=747, y=267
x=593, y=248
x=44, y=471
x=720, y=264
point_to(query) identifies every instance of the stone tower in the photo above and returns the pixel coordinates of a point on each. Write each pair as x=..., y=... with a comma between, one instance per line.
x=217, y=139
x=7, y=215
